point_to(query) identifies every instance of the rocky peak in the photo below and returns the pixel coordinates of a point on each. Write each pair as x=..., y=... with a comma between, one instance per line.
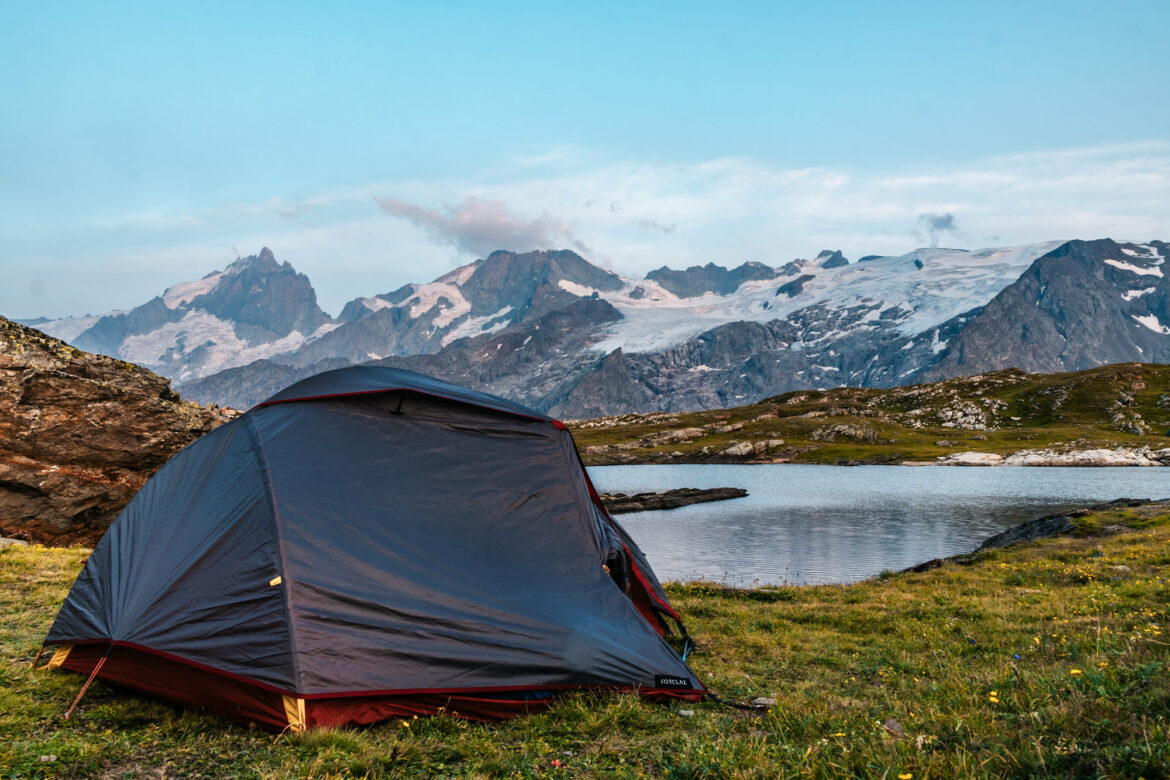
x=511, y=279
x=699, y=280
x=261, y=292
x=264, y=262
x=830, y=258
x=79, y=434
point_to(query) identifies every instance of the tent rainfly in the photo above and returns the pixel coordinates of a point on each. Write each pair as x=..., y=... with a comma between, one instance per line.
x=371, y=543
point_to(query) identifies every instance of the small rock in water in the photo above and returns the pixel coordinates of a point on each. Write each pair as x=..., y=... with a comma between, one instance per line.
x=763, y=701
x=686, y=713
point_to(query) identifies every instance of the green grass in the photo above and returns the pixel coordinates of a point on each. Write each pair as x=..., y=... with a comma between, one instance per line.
x=1124, y=405
x=1044, y=660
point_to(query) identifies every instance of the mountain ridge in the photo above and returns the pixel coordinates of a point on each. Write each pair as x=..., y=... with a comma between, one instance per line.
x=704, y=337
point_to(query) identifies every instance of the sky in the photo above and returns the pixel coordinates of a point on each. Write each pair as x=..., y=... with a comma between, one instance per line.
x=374, y=144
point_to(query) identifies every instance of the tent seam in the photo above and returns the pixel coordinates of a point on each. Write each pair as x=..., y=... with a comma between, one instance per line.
x=286, y=585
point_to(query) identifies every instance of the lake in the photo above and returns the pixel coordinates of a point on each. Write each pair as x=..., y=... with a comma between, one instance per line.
x=833, y=524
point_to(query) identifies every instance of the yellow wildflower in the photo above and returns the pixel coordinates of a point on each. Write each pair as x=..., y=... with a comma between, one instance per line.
x=906, y=776
x=1075, y=672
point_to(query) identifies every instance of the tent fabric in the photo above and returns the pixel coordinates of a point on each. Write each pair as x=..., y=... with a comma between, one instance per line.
x=340, y=542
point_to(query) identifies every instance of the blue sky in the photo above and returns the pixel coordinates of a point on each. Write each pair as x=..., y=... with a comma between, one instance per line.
x=371, y=144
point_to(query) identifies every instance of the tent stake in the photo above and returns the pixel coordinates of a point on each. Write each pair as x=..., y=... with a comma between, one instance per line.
x=38, y=657
x=97, y=668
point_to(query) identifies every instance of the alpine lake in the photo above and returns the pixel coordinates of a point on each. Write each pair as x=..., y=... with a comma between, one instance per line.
x=802, y=525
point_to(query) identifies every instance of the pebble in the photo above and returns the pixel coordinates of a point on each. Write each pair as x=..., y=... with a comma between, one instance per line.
x=763, y=701
x=686, y=713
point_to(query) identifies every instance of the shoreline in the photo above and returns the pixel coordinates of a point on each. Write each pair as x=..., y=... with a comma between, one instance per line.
x=1101, y=457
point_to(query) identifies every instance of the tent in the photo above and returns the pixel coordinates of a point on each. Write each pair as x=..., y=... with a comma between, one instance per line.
x=371, y=543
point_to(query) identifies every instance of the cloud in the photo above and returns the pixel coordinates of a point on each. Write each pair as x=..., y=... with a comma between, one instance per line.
x=733, y=209
x=651, y=224
x=937, y=225
x=480, y=226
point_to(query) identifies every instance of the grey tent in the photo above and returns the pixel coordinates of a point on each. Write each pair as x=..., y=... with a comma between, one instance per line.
x=371, y=543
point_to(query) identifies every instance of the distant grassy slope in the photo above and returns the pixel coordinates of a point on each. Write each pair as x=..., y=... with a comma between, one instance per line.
x=1048, y=659
x=1002, y=412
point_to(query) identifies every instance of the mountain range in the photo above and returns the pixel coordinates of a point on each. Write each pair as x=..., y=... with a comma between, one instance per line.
x=556, y=332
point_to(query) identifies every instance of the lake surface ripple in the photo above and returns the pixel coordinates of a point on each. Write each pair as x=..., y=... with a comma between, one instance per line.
x=833, y=524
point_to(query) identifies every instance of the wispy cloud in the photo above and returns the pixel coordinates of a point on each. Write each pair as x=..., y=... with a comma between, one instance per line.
x=632, y=215
x=479, y=226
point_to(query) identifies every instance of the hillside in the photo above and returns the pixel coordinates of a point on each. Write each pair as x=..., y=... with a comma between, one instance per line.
x=1042, y=659
x=998, y=413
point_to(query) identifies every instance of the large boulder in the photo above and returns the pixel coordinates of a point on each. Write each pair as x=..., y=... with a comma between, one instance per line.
x=79, y=434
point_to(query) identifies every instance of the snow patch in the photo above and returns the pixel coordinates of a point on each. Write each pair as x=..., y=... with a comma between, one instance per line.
x=475, y=326
x=376, y=303
x=184, y=292
x=427, y=296
x=1129, y=295
x=222, y=347
x=579, y=290
x=1149, y=253
x=68, y=328
x=1153, y=323
x=1135, y=269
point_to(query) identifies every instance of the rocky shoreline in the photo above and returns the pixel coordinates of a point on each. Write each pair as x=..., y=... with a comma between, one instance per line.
x=1073, y=522
x=620, y=503
x=1118, y=456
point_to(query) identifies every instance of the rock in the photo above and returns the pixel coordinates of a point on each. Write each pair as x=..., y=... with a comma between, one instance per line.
x=740, y=450
x=1053, y=525
x=4, y=542
x=698, y=280
x=729, y=428
x=677, y=435
x=845, y=431
x=763, y=701
x=79, y=434
x=619, y=503
x=686, y=713
x=1119, y=456
x=971, y=459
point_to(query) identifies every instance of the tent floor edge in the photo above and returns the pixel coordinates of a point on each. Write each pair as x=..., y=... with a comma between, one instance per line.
x=181, y=684
x=249, y=705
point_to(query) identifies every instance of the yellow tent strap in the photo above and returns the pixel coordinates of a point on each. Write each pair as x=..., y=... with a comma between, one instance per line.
x=294, y=710
x=59, y=656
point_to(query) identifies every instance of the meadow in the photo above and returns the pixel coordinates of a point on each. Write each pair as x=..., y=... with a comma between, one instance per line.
x=1048, y=659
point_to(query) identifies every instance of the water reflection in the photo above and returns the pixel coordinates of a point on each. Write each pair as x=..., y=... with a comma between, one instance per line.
x=823, y=524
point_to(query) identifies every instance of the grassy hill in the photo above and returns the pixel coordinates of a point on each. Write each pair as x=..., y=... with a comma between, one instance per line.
x=1048, y=659
x=1126, y=405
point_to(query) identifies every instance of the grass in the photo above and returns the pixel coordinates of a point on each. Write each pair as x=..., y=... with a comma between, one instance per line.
x=1042, y=660
x=1002, y=412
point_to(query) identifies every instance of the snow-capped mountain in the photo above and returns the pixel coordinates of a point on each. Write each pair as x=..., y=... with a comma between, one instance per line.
x=562, y=335
x=253, y=309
